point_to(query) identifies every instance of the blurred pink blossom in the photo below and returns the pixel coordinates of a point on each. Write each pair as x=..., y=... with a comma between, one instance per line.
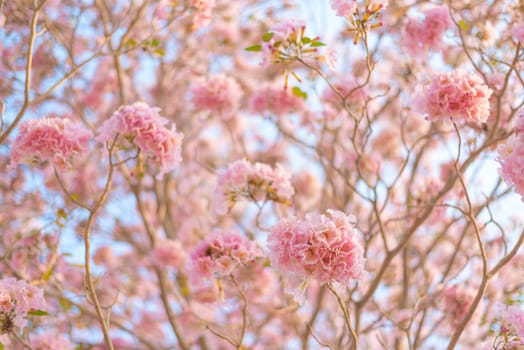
x=511, y=158
x=518, y=32
x=50, y=341
x=343, y=7
x=418, y=37
x=169, y=253
x=218, y=94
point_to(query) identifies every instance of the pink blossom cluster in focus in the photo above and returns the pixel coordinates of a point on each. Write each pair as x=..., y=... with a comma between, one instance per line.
x=457, y=95
x=511, y=158
x=421, y=36
x=221, y=253
x=56, y=140
x=512, y=323
x=143, y=127
x=258, y=181
x=325, y=247
x=218, y=94
x=286, y=39
x=17, y=298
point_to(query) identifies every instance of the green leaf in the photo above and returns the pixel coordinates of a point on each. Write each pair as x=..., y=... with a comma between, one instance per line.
x=184, y=285
x=37, y=313
x=154, y=42
x=463, y=25
x=131, y=43
x=317, y=44
x=160, y=52
x=254, y=48
x=299, y=93
x=47, y=275
x=306, y=40
x=1, y=346
x=267, y=37
x=65, y=303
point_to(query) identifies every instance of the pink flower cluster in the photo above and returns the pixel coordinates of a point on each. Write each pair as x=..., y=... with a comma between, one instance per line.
x=17, y=298
x=218, y=94
x=221, y=253
x=286, y=38
x=457, y=95
x=511, y=158
x=518, y=32
x=343, y=7
x=287, y=30
x=347, y=88
x=419, y=37
x=456, y=302
x=275, y=100
x=142, y=126
x=257, y=181
x=203, y=12
x=169, y=253
x=56, y=140
x=512, y=318
x=325, y=247
x=51, y=341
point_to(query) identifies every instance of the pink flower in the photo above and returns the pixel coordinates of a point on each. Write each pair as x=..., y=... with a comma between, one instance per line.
x=347, y=88
x=286, y=39
x=343, y=7
x=221, y=253
x=518, y=32
x=50, y=341
x=515, y=317
x=258, y=181
x=287, y=30
x=511, y=159
x=331, y=58
x=457, y=95
x=512, y=317
x=169, y=253
x=419, y=37
x=324, y=247
x=203, y=12
x=17, y=298
x=217, y=94
x=275, y=100
x=520, y=123
x=142, y=126
x=56, y=140
x=456, y=302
